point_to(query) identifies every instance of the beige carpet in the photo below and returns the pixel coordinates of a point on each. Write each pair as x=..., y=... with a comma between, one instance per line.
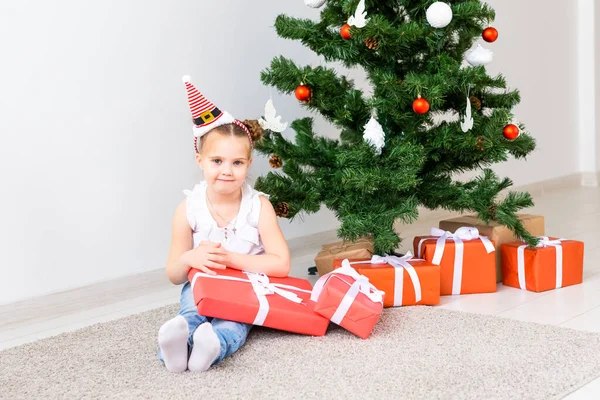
x=414, y=353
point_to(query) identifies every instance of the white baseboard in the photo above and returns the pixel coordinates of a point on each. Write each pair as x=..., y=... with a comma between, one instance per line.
x=590, y=179
x=538, y=189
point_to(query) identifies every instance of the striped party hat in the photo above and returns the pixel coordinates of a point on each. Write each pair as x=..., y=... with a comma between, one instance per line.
x=206, y=115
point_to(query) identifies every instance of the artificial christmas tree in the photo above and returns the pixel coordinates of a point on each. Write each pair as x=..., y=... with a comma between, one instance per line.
x=434, y=112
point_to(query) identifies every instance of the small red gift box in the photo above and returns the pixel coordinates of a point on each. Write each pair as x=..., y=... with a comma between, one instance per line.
x=348, y=300
x=251, y=298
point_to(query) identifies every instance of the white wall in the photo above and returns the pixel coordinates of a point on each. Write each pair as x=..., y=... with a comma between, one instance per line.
x=536, y=52
x=96, y=132
x=597, y=86
x=586, y=99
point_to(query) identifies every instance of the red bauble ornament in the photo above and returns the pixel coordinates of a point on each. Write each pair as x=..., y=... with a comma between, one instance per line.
x=303, y=93
x=490, y=34
x=345, y=32
x=511, y=131
x=420, y=106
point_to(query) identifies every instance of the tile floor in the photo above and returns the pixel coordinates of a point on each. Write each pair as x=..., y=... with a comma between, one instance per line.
x=570, y=212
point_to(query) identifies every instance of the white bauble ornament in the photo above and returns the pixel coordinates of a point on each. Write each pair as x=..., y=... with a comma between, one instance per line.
x=374, y=134
x=314, y=3
x=479, y=56
x=439, y=14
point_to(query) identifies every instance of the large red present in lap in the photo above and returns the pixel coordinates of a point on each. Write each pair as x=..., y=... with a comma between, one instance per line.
x=251, y=298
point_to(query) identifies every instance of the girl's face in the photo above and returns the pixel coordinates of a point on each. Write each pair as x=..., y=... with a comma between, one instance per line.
x=225, y=161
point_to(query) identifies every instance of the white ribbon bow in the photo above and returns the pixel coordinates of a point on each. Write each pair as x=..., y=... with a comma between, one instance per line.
x=544, y=242
x=464, y=233
x=361, y=285
x=262, y=287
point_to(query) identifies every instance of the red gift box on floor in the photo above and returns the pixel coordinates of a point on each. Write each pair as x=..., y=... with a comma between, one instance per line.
x=251, y=298
x=553, y=264
x=348, y=300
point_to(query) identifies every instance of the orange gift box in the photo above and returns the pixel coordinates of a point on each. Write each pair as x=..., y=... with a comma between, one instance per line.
x=534, y=224
x=349, y=300
x=279, y=303
x=400, y=290
x=555, y=263
x=467, y=261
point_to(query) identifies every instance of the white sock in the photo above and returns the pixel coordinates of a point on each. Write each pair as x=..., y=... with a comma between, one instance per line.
x=172, y=339
x=207, y=348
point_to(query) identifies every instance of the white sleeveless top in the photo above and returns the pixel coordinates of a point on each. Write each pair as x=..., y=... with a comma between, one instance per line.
x=245, y=240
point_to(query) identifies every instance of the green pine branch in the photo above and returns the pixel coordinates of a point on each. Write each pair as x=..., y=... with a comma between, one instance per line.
x=334, y=97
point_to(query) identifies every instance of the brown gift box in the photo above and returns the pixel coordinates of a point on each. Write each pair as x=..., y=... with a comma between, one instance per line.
x=499, y=234
x=362, y=248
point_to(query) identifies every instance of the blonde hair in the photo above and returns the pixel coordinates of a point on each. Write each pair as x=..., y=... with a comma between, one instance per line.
x=234, y=130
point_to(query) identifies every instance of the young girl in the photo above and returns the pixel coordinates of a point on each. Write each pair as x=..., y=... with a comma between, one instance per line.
x=223, y=223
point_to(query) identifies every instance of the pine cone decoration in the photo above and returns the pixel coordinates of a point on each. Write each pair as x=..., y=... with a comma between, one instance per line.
x=480, y=141
x=492, y=211
x=255, y=129
x=475, y=102
x=282, y=209
x=372, y=43
x=275, y=161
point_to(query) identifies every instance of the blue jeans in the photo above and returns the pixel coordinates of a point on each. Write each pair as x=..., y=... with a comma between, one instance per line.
x=232, y=335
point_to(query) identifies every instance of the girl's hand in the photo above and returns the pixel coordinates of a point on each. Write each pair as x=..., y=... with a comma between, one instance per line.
x=206, y=257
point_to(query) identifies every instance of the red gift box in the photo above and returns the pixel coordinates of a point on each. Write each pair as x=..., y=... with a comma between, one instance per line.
x=348, y=299
x=251, y=298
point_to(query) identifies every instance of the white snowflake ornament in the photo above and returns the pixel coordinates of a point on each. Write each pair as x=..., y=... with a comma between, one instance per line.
x=479, y=56
x=374, y=134
x=487, y=112
x=439, y=14
x=403, y=13
x=314, y=3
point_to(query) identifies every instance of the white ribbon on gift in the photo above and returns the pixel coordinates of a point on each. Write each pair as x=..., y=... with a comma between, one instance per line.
x=262, y=287
x=464, y=233
x=544, y=242
x=400, y=264
x=361, y=284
